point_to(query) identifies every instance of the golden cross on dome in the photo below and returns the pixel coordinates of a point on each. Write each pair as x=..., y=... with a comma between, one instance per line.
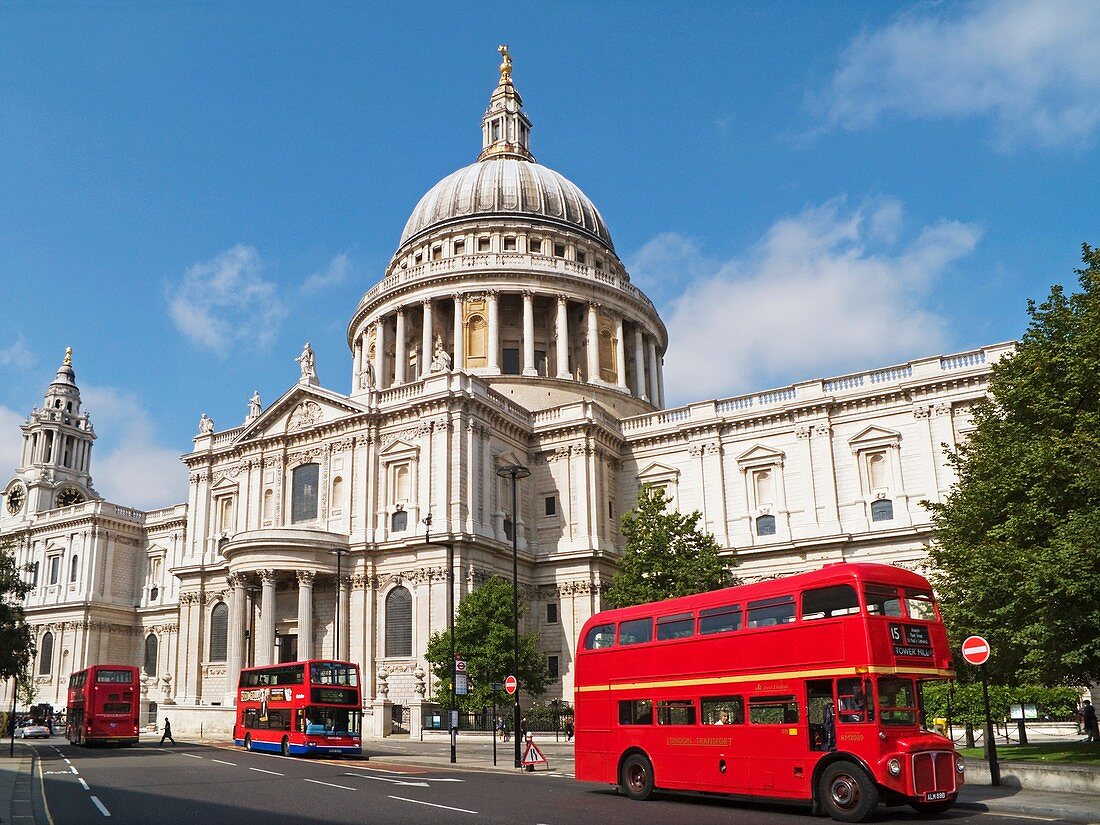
x=68, y=356
x=505, y=65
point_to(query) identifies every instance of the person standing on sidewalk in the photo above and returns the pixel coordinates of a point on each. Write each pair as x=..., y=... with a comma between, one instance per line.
x=167, y=733
x=1088, y=717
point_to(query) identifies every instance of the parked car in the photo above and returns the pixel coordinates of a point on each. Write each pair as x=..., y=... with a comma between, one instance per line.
x=31, y=730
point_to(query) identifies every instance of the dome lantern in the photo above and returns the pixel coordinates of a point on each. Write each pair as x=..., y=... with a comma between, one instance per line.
x=505, y=129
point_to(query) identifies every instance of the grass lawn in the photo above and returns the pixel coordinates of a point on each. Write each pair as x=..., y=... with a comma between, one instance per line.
x=1082, y=753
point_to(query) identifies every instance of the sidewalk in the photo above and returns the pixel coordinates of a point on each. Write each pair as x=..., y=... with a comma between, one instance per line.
x=17, y=786
x=1072, y=807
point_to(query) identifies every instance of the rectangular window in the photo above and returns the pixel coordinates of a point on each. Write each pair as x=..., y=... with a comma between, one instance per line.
x=920, y=605
x=34, y=574
x=723, y=710
x=679, y=626
x=551, y=612
x=535, y=245
x=55, y=568
x=303, y=505
x=773, y=710
x=826, y=602
x=483, y=244
x=676, y=712
x=636, y=712
x=437, y=252
x=882, y=600
x=600, y=636
x=418, y=258
x=636, y=631
x=851, y=700
x=720, y=619
x=559, y=250
x=599, y=263
x=509, y=244
x=550, y=505
x=610, y=508
x=460, y=247
x=769, y=612
x=581, y=256
x=510, y=361
x=541, y=365
x=552, y=666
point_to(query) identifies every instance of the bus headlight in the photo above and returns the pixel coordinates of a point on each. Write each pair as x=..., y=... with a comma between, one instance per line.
x=960, y=766
x=894, y=766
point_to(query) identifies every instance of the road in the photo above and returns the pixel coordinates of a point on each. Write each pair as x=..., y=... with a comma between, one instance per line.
x=204, y=785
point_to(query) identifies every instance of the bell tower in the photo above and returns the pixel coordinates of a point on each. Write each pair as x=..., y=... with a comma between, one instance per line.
x=505, y=129
x=57, y=450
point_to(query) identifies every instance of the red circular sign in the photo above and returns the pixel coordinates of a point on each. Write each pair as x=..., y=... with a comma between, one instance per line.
x=510, y=685
x=976, y=650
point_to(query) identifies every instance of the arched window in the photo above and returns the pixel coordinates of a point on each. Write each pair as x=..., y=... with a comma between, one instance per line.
x=401, y=483
x=225, y=514
x=219, y=632
x=399, y=622
x=876, y=469
x=765, y=488
x=45, y=655
x=399, y=521
x=337, y=494
x=151, y=654
x=765, y=526
x=303, y=505
x=882, y=510
x=477, y=342
x=608, y=367
x=74, y=568
x=269, y=503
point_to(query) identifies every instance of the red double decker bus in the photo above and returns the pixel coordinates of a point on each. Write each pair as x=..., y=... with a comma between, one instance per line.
x=801, y=688
x=103, y=705
x=300, y=708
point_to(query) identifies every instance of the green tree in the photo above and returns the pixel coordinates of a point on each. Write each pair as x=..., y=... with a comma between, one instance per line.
x=483, y=637
x=1016, y=556
x=26, y=691
x=16, y=645
x=666, y=554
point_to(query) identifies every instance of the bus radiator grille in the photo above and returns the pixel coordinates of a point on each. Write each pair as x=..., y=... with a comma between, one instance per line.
x=933, y=771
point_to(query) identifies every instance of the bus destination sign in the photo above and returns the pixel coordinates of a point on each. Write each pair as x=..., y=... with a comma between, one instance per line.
x=333, y=696
x=911, y=640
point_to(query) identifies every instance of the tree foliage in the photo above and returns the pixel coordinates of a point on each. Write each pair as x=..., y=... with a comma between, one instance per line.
x=1017, y=555
x=1055, y=704
x=483, y=637
x=666, y=554
x=16, y=646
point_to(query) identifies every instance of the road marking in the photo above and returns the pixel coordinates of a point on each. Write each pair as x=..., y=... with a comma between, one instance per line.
x=319, y=782
x=387, y=779
x=261, y=770
x=221, y=762
x=67, y=762
x=102, y=808
x=1022, y=816
x=191, y=755
x=83, y=784
x=433, y=805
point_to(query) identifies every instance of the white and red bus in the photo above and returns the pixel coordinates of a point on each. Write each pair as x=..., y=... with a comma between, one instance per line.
x=103, y=705
x=800, y=688
x=300, y=708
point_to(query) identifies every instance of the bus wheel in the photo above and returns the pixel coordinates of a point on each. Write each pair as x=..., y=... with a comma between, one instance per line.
x=636, y=777
x=848, y=794
x=248, y=741
x=932, y=808
x=286, y=746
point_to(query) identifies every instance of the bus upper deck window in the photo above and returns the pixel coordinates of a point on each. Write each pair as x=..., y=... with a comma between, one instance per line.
x=679, y=626
x=826, y=602
x=920, y=605
x=882, y=600
x=768, y=612
x=720, y=619
x=600, y=636
x=636, y=631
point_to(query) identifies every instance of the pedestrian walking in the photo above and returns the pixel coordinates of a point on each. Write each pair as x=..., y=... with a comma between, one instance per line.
x=569, y=730
x=1088, y=717
x=167, y=733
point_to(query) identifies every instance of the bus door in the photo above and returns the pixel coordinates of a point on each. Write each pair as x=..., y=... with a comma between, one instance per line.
x=723, y=756
x=780, y=763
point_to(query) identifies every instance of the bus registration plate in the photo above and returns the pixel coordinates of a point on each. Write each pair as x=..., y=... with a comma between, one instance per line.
x=935, y=796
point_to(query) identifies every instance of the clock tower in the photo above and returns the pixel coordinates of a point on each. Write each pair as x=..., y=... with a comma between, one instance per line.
x=57, y=450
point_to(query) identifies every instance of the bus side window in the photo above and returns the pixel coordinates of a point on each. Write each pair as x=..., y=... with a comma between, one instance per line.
x=724, y=710
x=600, y=636
x=676, y=712
x=768, y=612
x=773, y=710
x=636, y=712
x=720, y=619
x=636, y=631
x=826, y=602
x=851, y=701
x=882, y=600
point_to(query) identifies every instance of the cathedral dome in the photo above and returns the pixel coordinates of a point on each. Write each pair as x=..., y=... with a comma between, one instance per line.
x=507, y=187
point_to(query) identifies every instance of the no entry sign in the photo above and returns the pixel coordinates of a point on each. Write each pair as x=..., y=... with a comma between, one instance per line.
x=976, y=650
x=510, y=685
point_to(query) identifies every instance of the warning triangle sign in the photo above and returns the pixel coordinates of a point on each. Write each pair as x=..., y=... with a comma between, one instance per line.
x=532, y=756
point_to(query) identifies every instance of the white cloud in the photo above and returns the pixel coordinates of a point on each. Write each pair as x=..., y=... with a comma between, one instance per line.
x=134, y=470
x=226, y=301
x=1030, y=65
x=11, y=442
x=18, y=355
x=334, y=275
x=822, y=293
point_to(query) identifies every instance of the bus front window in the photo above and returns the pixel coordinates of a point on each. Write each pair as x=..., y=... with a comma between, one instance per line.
x=897, y=701
x=331, y=673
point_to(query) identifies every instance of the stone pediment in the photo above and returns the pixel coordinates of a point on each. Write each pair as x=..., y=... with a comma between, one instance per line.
x=874, y=436
x=656, y=470
x=760, y=456
x=299, y=409
x=398, y=446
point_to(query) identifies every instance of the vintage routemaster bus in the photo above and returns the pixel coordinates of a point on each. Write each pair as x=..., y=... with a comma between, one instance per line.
x=103, y=705
x=800, y=688
x=300, y=708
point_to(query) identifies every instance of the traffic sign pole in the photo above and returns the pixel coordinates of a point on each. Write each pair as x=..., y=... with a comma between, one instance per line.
x=990, y=744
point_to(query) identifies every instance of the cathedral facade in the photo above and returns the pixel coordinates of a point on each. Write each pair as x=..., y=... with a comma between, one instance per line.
x=505, y=331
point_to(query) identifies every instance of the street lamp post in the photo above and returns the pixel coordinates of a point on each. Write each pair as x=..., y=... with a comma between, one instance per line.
x=339, y=552
x=451, y=722
x=515, y=472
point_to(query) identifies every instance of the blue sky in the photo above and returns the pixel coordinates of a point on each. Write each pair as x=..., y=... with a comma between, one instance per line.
x=189, y=191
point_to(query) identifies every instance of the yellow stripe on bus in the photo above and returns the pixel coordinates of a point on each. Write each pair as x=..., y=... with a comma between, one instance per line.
x=765, y=677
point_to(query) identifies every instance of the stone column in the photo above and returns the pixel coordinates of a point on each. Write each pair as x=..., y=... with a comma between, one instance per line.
x=305, y=614
x=620, y=354
x=562, y=331
x=427, y=340
x=459, y=332
x=379, y=353
x=651, y=349
x=529, y=334
x=343, y=605
x=593, y=348
x=640, y=388
x=399, y=349
x=661, y=381
x=494, y=333
x=356, y=364
x=265, y=638
x=234, y=655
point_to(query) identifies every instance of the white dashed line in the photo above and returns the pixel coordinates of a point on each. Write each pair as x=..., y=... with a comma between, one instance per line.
x=191, y=755
x=221, y=762
x=431, y=804
x=83, y=784
x=261, y=770
x=102, y=808
x=329, y=784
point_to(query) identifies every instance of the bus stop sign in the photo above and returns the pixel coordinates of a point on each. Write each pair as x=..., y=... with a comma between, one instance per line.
x=975, y=650
x=510, y=685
